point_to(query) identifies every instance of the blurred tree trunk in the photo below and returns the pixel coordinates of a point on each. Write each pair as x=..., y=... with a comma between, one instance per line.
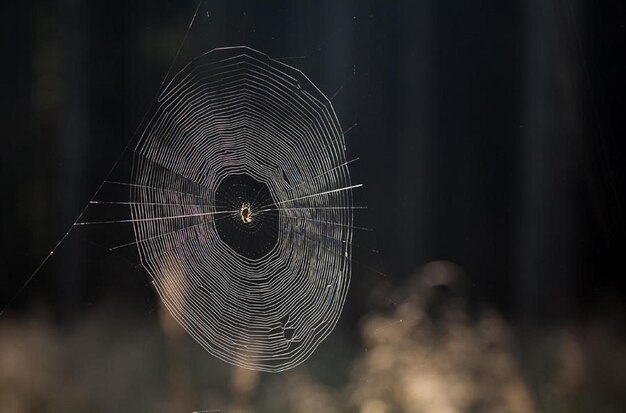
x=73, y=140
x=415, y=130
x=549, y=151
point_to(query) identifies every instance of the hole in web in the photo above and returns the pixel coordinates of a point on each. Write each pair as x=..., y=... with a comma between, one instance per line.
x=250, y=233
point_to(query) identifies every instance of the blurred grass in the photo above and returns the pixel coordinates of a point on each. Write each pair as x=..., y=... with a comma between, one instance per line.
x=427, y=354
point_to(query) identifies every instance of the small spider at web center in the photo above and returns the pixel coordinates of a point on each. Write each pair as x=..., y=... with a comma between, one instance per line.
x=246, y=214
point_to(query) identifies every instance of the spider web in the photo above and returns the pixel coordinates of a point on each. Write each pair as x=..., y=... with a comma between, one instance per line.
x=237, y=130
x=240, y=204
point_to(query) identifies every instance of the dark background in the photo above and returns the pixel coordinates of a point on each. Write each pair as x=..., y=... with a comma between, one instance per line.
x=491, y=135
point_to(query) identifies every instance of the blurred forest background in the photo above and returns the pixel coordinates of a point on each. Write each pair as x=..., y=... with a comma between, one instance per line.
x=491, y=138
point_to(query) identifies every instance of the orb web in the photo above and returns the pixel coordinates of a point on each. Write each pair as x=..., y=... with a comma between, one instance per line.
x=242, y=208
